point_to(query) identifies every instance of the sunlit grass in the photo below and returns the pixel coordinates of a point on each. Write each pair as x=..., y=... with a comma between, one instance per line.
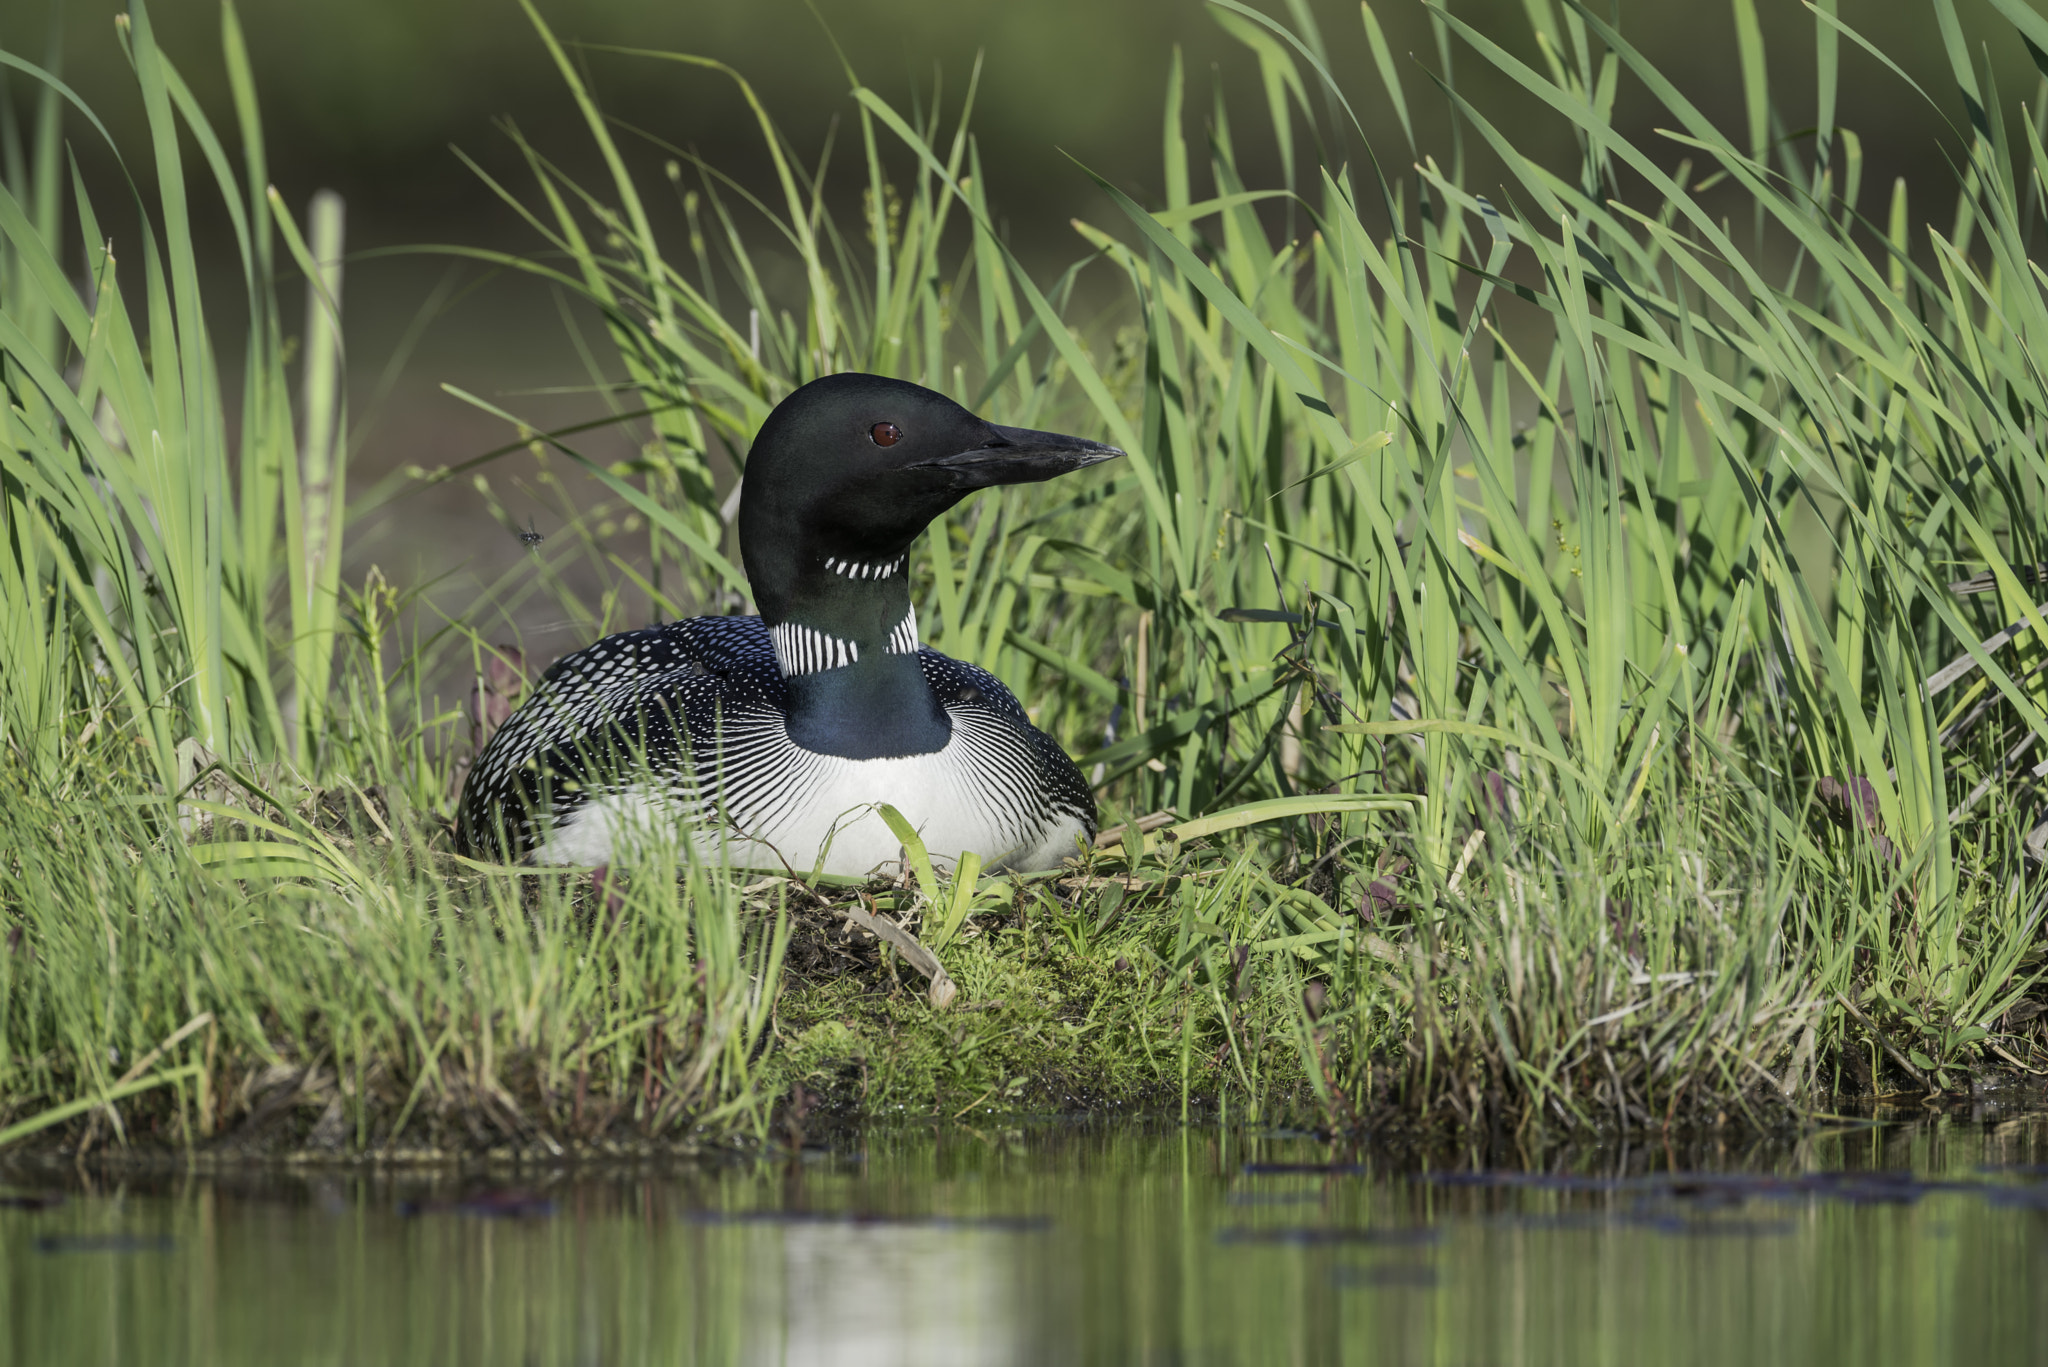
x=1455, y=565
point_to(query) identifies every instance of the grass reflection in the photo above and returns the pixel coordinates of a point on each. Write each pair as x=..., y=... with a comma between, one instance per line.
x=1061, y=1244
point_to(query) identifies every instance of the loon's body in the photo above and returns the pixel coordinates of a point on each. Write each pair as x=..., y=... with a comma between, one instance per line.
x=691, y=720
x=771, y=740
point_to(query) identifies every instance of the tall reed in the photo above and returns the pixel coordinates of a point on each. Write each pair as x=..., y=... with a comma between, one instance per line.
x=147, y=528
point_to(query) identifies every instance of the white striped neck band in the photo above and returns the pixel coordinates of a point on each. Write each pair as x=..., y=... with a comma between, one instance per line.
x=806, y=650
x=867, y=569
x=903, y=636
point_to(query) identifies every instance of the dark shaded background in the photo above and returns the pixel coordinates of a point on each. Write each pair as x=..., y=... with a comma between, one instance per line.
x=366, y=96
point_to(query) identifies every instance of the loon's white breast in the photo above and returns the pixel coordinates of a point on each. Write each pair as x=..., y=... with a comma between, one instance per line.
x=954, y=798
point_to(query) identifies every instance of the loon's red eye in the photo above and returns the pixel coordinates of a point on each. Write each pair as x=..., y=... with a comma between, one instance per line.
x=885, y=434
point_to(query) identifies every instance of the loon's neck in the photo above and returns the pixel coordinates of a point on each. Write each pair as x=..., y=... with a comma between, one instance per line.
x=846, y=640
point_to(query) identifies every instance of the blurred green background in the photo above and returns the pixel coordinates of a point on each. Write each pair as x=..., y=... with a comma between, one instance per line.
x=368, y=96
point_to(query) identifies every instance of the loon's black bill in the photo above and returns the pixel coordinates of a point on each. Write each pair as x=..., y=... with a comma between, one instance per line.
x=1018, y=455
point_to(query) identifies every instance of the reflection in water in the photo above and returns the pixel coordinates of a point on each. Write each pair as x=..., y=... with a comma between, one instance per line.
x=871, y=1295
x=1925, y=1242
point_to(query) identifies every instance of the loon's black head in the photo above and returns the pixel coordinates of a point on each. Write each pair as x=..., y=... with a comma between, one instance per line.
x=850, y=468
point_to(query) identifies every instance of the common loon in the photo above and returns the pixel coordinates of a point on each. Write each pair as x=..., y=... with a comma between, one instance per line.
x=771, y=739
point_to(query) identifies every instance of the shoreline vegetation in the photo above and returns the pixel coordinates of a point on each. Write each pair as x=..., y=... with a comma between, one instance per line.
x=1519, y=660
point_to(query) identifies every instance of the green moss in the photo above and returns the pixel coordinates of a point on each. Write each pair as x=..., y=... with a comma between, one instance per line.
x=1043, y=1020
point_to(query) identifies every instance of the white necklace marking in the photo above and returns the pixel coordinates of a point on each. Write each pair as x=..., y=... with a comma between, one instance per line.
x=866, y=569
x=805, y=650
x=903, y=636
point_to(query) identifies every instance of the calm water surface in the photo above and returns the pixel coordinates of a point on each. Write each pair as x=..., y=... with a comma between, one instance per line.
x=1894, y=1243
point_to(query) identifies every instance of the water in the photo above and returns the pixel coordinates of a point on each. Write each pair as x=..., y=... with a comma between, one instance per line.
x=1924, y=1242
